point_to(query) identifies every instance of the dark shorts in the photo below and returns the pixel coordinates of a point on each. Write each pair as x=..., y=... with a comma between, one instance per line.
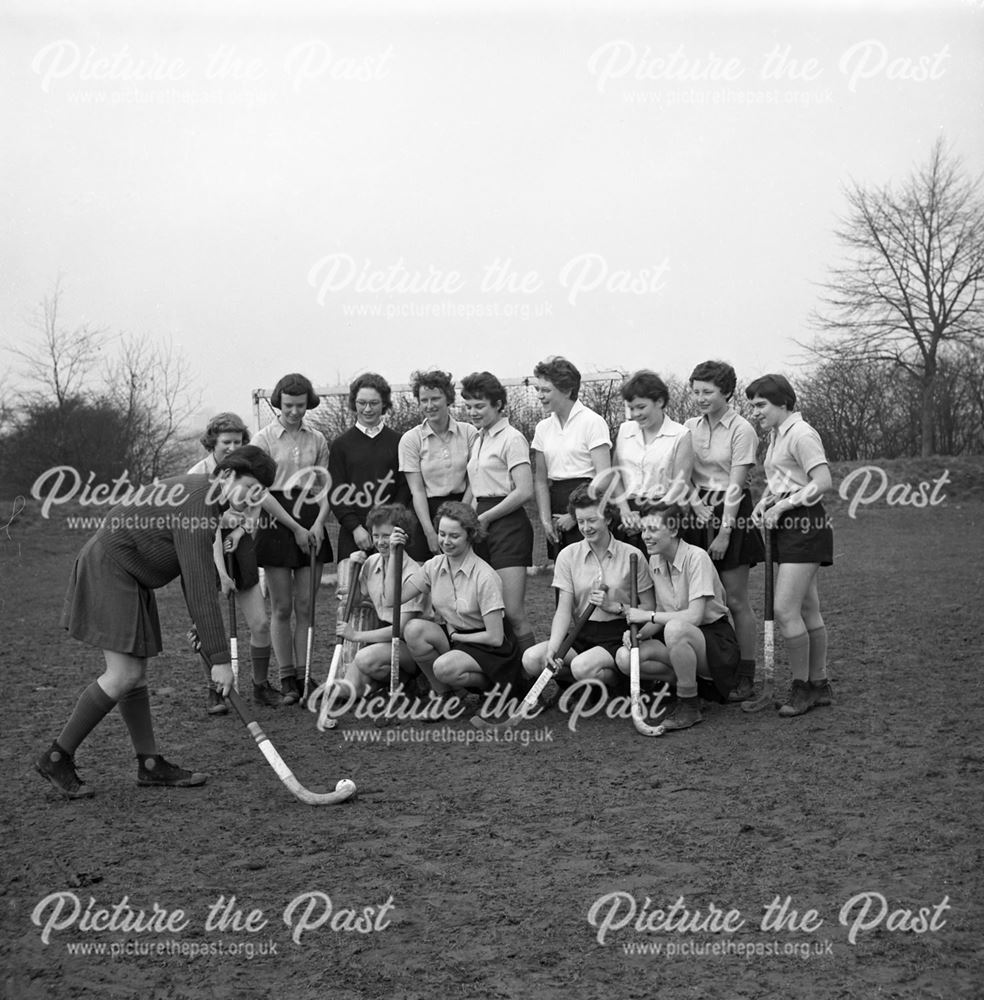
x=745, y=547
x=245, y=570
x=275, y=545
x=607, y=635
x=108, y=608
x=500, y=664
x=804, y=535
x=560, y=493
x=723, y=654
x=417, y=547
x=509, y=541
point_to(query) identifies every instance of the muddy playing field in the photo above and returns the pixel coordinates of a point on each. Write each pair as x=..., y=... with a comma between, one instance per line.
x=532, y=867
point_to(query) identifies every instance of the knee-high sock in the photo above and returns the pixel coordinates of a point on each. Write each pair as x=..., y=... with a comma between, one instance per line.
x=260, y=658
x=818, y=653
x=798, y=651
x=91, y=708
x=135, y=709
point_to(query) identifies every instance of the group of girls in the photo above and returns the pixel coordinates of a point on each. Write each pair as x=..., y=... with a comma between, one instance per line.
x=674, y=493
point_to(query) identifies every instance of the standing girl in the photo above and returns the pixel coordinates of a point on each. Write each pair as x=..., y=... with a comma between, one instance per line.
x=654, y=456
x=571, y=445
x=301, y=490
x=500, y=481
x=364, y=465
x=724, y=453
x=797, y=476
x=110, y=604
x=434, y=457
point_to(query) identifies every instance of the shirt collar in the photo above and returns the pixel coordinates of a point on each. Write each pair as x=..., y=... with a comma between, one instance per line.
x=497, y=428
x=609, y=548
x=725, y=420
x=577, y=408
x=426, y=429
x=280, y=430
x=370, y=432
x=794, y=418
x=467, y=564
x=669, y=428
x=677, y=559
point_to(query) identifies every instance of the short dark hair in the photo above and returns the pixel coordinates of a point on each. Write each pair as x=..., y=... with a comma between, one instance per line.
x=465, y=515
x=294, y=384
x=583, y=497
x=645, y=384
x=391, y=513
x=370, y=380
x=672, y=514
x=484, y=385
x=434, y=379
x=250, y=461
x=223, y=423
x=561, y=374
x=718, y=373
x=775, y=388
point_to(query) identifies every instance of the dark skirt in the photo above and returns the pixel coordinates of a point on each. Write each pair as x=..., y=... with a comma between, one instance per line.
x=745, y=547
x=500, y=664
x=560, y=494
x=275, y=545
x=509, y=540
x=633, y=538
x=417, y=546
x=607, y=635
x=804, y=535
x=108, y=608
x=723, y=655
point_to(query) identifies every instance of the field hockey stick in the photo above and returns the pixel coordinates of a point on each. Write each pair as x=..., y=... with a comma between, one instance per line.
x=635, y=688
x=356, y=561
x=546, y=675
x=312, y=596
x=345, y=788
x=233, y=627
x=768, y=637
x=396, y=554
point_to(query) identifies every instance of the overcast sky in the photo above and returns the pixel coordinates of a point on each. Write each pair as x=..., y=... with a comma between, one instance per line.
x=333, y=188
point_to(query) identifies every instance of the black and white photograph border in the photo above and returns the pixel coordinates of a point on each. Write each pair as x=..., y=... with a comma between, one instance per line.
x=202, y=196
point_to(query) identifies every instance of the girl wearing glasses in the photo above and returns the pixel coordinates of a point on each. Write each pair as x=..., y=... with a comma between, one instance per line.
x=364, y=465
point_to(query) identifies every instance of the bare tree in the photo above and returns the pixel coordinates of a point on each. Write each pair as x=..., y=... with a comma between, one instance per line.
x=151, y=386
x=100, y=405
x=913, y=282
x=60, y=363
